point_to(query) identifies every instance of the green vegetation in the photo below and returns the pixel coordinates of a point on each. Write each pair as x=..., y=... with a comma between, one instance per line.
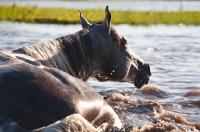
x=34, y=14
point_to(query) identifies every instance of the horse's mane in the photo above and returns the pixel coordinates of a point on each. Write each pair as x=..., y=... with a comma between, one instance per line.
x=71, y=53
x=49, y=53
x=64, y=53
x=115, y=36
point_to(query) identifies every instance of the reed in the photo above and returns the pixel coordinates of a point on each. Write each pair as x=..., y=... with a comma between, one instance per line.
x=33, y=14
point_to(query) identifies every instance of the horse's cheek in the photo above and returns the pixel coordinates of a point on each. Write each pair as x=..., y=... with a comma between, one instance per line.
x=120, y=74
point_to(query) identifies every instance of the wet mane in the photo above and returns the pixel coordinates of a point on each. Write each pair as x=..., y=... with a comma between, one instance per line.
x=115, y=36
x=72, y=53
x=65, y=53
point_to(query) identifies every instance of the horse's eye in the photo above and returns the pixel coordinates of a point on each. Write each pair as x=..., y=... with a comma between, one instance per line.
x=126, y=45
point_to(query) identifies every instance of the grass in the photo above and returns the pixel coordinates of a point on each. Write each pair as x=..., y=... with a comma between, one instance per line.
x=33, y=14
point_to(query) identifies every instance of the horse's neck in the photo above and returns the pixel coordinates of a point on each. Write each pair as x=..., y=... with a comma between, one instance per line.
x=71, y=54
x=79, y=51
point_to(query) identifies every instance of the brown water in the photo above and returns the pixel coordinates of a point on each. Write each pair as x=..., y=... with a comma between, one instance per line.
x=171, y=102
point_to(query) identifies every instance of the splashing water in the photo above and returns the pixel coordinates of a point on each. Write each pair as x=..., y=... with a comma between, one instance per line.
x=142, y=115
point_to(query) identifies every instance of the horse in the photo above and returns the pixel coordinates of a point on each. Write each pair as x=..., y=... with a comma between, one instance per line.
x=44, y=83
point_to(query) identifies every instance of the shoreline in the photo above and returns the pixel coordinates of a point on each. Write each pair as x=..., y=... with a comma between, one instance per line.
x=34, y=14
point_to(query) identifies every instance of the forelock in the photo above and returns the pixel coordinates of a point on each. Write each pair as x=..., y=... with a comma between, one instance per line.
x=115, y=35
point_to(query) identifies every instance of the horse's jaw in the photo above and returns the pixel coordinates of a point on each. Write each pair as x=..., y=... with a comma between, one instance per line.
x=137, y=80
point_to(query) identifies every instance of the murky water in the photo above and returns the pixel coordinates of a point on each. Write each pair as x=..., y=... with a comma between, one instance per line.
x=173, y=53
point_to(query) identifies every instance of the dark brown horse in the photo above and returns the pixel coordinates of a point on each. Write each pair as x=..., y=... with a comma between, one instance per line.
x=39, y=85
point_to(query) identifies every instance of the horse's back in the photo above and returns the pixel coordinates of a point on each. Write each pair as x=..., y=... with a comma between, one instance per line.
x=36, y=97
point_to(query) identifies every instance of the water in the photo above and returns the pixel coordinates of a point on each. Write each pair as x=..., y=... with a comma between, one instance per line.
x=114, y=5
x=173, y=53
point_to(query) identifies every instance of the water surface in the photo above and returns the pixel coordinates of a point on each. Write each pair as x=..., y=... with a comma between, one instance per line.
x=173, y=53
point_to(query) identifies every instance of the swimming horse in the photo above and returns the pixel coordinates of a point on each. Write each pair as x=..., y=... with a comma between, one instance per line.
x=43, y=84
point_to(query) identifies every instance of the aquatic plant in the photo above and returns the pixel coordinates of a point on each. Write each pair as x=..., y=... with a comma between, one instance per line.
x=33, y=14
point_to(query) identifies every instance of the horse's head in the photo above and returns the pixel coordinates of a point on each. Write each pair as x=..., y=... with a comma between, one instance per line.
x=115, y=60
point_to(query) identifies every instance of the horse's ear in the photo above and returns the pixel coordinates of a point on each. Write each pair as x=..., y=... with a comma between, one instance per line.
x=84, y=21
x=107, y=19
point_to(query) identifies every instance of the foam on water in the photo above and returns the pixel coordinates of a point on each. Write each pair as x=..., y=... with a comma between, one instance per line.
x=139, y=115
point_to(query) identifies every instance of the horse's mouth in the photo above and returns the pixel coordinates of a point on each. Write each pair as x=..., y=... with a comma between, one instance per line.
x=139, y=85
x=141, y=81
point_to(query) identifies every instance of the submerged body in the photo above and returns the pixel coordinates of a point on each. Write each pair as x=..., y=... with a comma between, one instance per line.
x=35, y=97
x=39, y=83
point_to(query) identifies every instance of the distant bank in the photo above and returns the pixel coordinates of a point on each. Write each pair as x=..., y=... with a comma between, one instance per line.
x=131, y=5
x=34, y=14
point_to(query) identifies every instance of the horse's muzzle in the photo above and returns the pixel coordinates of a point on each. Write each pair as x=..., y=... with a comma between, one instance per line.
x=141, y=81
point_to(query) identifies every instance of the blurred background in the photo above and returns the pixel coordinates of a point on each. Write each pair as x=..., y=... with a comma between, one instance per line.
x=138, y=5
